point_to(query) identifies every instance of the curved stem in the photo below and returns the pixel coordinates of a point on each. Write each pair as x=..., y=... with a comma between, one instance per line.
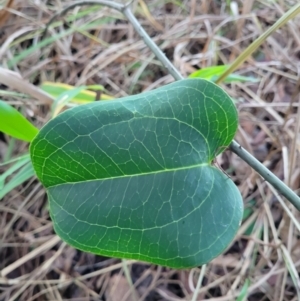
x=117, y=6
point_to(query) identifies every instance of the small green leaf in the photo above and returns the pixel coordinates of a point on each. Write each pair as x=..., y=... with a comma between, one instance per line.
x=212, y=73
x=133, y=177
x=15, y=124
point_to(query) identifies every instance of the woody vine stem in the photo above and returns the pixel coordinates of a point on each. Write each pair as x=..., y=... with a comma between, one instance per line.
x=288, y=193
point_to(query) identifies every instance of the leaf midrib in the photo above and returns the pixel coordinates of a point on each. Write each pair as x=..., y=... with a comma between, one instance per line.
x=134, y=175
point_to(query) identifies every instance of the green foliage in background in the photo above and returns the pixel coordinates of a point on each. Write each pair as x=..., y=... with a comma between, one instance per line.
x=15, y=124
x=212, y=73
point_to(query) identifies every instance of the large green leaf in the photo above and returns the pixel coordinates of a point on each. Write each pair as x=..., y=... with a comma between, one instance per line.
x=134, y=178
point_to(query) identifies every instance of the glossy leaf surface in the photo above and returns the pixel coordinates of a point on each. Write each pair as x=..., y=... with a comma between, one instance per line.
x=133, y=177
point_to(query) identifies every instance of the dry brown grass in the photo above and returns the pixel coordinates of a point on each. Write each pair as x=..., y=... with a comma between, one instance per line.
x=36, y=265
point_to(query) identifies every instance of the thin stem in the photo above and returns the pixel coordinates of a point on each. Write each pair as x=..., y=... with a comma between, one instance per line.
x=199, y=282
x=148, y=41
x=129, y=280
x=266, y=174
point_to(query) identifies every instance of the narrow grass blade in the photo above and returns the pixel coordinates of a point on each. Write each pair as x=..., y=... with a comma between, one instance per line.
x=25, y=173
x=65, y=98
x=84, y=96
x=244, y=291
x=294, y=11
x=18, y=58
x=18, y=164
x=212, y=73
x=15, y=124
